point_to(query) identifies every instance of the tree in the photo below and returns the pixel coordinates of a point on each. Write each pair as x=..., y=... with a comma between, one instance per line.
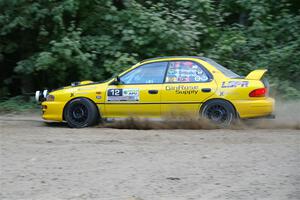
x=50, y=43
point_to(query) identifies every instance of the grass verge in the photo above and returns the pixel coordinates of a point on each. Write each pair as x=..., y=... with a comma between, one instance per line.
x=18, y=104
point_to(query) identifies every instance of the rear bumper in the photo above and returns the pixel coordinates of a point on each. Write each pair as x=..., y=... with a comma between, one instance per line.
x=53, y=110
x=271, y=116
x=255, y=108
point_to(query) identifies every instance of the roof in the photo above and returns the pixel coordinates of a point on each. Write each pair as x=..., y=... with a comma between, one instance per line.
x=170, y=57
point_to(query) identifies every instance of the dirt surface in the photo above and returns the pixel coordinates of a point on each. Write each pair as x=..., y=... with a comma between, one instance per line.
x=40, y=161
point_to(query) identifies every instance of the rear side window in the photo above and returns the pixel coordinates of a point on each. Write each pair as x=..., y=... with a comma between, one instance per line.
x=185, y=72
x=151, y=73
x=224, y=70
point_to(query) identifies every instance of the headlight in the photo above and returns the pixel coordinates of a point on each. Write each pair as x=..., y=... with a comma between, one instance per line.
x=50, y=97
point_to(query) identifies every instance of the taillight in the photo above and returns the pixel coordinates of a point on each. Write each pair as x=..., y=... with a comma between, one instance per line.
x=261, y=92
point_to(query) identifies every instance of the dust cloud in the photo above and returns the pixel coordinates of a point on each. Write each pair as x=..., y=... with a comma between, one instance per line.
x=287, y=117
x=146, y=124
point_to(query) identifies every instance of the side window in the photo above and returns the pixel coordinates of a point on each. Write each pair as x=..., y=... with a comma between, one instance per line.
x=185, y=72
x=146, y=74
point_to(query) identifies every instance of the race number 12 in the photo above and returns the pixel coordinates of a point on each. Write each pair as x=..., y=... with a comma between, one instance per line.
x=114, y=92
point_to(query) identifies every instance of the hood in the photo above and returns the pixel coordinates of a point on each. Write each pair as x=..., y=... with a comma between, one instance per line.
x=81, y=83
x=77, y=84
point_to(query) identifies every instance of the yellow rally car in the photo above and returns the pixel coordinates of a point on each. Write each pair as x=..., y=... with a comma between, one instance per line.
x=159, y=87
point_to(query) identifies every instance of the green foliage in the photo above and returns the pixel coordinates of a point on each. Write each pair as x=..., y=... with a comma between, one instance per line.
x=17, y=104
x=64, y=56
x=50, y=43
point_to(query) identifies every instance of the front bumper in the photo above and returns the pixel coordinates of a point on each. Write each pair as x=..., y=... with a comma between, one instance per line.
x=53, y=110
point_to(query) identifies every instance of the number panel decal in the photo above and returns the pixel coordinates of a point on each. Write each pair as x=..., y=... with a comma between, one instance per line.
x=114, y=92
x=123, y=94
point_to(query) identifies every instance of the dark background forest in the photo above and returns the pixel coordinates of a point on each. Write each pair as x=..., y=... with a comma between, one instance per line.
x=51, y=43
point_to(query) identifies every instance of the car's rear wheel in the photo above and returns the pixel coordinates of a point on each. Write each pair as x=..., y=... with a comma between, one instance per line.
x=81, y=113
x=219, y=112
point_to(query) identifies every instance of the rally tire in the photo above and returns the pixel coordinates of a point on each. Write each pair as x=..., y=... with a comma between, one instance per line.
x=219, y=112
x=81, y=113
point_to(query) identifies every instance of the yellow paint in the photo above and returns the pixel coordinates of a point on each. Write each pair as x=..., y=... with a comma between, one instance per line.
x=167, y=100
x=256, y=74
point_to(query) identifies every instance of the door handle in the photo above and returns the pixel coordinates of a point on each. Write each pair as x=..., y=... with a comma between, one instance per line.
x=152, y=91
x=206, y=90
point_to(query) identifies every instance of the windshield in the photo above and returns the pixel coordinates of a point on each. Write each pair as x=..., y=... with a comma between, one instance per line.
x=224, y=70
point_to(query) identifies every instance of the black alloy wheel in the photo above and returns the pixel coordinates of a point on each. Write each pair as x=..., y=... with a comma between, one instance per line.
x=219, y=112
x=81, y=113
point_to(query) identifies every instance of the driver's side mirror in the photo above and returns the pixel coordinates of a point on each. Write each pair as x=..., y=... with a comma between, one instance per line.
x=116, y=81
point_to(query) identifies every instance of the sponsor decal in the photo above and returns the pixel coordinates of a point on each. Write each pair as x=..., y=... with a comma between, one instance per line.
x=234, y=84
x=183, y=89
x=86, y=88
x=81, y=93
x=123, y=94
x=197, y=78
x=226, y=93
x=185, y=72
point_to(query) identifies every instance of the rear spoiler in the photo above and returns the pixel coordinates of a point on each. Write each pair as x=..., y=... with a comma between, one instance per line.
x=256, y=74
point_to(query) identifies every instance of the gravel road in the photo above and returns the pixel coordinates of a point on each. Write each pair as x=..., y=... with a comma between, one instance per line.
x=52, y=162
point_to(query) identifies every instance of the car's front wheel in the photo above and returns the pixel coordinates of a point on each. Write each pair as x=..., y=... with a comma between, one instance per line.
x=219, y=112
x=81, y=113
